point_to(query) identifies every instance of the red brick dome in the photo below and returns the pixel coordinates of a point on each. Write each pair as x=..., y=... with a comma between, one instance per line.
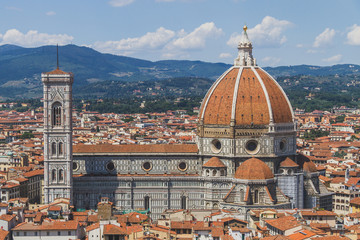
x=247, y=96
x=253, y=169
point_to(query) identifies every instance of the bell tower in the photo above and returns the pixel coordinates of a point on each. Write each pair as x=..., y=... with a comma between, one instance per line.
x=57, y=134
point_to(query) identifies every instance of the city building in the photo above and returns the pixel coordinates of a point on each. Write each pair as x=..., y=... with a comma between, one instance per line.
x=245, y=156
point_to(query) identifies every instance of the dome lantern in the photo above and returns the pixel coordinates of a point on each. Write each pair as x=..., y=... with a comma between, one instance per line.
x=245, y=57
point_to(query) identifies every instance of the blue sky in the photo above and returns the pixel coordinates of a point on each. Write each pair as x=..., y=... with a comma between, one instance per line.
x=283, y=32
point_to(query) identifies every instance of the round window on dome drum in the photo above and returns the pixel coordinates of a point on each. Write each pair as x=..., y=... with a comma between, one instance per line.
x=147, y=166
x=252, y=147
x=182, y=166
x=110, y=166
x=215, y=146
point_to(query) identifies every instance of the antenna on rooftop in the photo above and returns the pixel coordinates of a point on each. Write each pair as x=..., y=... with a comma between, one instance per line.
x=57, y=56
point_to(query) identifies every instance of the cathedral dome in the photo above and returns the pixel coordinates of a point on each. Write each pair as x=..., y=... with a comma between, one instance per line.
x=253, y=169
x=245, y=95
x=214, y=162
x=246, y=112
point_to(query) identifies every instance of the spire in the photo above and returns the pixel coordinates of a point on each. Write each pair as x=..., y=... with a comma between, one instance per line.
x=57, y=56
x=245, y=57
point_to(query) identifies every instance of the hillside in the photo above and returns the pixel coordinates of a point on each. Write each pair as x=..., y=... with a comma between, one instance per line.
x=98, y=74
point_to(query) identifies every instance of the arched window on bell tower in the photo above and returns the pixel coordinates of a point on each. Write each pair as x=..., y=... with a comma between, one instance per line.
x=53, y=175
x=53, y=148
x=56, y=114
x=60, y=149
x=61, y=175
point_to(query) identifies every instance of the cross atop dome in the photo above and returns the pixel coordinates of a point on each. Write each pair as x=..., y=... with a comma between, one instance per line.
x=245, y=57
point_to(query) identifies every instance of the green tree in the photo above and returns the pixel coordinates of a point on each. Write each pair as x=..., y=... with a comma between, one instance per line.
x=340, y=119
x=315, y=134
x=27, y=135
x=340, y=154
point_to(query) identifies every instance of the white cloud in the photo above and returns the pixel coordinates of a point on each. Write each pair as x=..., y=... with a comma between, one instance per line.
x=167, y=42
x=333, y=59
x=14, y=9
x=151, y=40
x=177, y=0
x=51, y=13
x=225, y=55
x=353, y=37
x=197, y=38
x=33, y=38
x=312, y=51
x=120, y=3
x=271, y=61
x=299, y=45
x=269, y=33
x=325, y=38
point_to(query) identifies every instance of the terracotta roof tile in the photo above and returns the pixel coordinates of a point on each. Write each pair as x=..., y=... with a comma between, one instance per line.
x=218, y=109
x=320, y=225
x=280, y=107
x=283, y=223
x=54, y=208
x=303, y=234
x=317, y=213
x=276, y=237
x=200, y=225
x=93, y=218
x=7, y=217
x=214, y=162
x=226, y=237
x=133, y=217
x=252, y=169
x=251, y=103
x=34, y=173
x=110, y=229
x=57, y=72
x=288, y=162
x=92, y=227
x=4, y=234
x=181, y=224
x=217, y=232
x=355, y=201
x=331, y=238
x=55, y=225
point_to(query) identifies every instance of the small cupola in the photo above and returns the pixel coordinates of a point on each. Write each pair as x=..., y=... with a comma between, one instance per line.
x=214, y=167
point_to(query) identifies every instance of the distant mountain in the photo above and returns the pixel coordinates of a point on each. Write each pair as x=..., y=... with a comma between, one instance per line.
x=20, y=68
x=17, y=63
x=340, y=69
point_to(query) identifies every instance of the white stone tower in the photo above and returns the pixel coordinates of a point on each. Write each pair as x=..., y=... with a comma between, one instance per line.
x=57, y=134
